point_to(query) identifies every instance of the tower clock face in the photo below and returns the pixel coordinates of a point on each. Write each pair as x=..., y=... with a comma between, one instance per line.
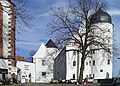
x=103, y=18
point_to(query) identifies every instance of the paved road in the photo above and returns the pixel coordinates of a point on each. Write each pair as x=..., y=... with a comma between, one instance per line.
x=49, y=85
x=103, y=84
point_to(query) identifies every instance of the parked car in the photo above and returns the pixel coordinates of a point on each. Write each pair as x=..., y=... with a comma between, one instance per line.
x=73, y=81
x=116, y=82
x=54, y=81
x=90, y=80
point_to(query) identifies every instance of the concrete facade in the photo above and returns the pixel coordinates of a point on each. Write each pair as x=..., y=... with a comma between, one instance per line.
x=27, y=72
x=7, y=35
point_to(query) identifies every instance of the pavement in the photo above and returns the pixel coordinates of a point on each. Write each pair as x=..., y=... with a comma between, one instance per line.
x=39, y=84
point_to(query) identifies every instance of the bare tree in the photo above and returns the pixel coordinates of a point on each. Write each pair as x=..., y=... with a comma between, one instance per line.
x=31, y=54
x=23, y=15
x=74, y=23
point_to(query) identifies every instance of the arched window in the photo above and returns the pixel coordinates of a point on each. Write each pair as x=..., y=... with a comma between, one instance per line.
x=74, y=63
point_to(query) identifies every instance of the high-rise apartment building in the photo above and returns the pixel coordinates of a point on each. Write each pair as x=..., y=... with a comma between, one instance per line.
x=7, y=36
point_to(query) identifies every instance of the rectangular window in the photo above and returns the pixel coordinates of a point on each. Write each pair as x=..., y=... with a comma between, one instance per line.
x=74, y=52
x=93, y=51
x=58, y=73
x=93, y=75
x=43, y=62
x=86, y=63
x=108, y=61
x=73, y=76
x=93, y=62
x=43, y=74
x=74, y=63
x=89, y=63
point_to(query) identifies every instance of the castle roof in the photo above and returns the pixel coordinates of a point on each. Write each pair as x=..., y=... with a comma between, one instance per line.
x=50, y=44
x=100, y=16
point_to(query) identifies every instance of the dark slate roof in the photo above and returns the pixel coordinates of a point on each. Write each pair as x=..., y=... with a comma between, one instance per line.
x=50, y=44
x=100, y=16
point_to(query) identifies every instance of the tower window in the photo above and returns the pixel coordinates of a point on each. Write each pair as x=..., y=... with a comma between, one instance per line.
x=108, y=61
x=101, y=70
x=58, y=73
x=93, y=75
x=73, y=76
x=44, y=74
x=74, y=52
x=93, y=62
x=74, y=63
x=43, y=62
x=90, y=63
x=86, y=63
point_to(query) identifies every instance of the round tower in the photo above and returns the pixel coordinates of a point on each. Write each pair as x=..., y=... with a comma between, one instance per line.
x=102, y=61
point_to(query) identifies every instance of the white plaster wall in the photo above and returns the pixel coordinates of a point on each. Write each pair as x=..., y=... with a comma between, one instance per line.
x=39, y=68
x=69, y=63
x=101, y=64
x=26, y=69
x=64, y=64
x=88, y=68
x=101, y=58
x=47, y=54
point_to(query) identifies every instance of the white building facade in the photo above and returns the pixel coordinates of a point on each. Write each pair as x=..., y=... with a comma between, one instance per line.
x=98, y=66
x=44, y=60
x=26, y=72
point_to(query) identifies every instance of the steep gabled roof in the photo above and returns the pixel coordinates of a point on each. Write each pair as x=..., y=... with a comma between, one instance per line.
x=50, y=44
x=41, y=52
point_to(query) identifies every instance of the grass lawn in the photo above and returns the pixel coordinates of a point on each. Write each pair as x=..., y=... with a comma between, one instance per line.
x=13, y=85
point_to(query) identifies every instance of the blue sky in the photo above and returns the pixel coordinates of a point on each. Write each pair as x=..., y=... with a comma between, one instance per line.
x=32, y=39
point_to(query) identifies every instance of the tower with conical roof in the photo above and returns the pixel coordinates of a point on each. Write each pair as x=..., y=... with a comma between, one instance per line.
x=50, y=44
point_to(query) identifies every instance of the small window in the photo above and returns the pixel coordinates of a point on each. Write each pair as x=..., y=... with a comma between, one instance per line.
x=74, y=52
x=74, y=63
x=89, y=75
x=44, y=74
x=58, y=73
x=73, y=76
x=108, y=61
x=90, y=63
x=86, y=63
x=93, y=62
x=43, y=62
x=93, y=51
x=101, y=70
x=93, y=75
x=108, y=40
